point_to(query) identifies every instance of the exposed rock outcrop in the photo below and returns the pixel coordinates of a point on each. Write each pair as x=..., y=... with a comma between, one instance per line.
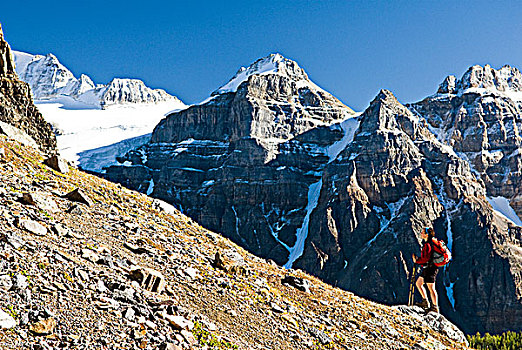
x=480, y=117
x=16, y=105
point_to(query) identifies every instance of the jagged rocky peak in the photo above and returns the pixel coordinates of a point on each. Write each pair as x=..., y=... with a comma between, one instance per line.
x=268, y=103
x=7, y=66
x=120, y=91
x=271, y=64
x=506, y=79
x=387, y=113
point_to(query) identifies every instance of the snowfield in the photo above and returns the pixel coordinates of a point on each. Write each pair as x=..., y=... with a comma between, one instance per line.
x=83, y=128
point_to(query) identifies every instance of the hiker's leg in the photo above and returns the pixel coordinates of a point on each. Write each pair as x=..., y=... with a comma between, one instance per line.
x=420, y=287
x=433, y=294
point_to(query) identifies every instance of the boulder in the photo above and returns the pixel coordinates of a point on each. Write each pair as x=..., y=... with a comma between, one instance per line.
x=179, y=322
x=43, y=327
x=435, y=321
x=32, y=226
x=148, y=279
x=57, y=163
x=297, y=282
x=6, y=321
x=41, y=201
x=77, y=195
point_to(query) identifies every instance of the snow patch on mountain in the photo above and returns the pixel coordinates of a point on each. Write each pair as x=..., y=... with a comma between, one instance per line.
x=92, y=138
x=99, y=158
x=349, y=127
x=503, y=208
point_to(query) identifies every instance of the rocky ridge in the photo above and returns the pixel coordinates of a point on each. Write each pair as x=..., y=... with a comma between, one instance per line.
x=346, y=199
x=86, y=263
x=479, y=116
x=17, y=110
x=50, y=79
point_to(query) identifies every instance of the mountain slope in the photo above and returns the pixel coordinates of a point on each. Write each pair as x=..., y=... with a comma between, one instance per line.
x=68, y=273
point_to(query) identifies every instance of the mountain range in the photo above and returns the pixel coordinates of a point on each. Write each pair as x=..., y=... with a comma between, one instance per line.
x=49, y=79
x=289, y=172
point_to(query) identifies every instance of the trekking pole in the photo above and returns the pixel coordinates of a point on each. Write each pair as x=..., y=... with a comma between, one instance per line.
x=411, y=295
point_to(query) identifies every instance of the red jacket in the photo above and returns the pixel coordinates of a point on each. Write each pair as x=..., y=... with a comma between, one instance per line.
x=426, y=253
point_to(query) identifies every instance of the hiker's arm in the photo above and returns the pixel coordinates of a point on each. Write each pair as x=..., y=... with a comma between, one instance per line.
x=425, y=255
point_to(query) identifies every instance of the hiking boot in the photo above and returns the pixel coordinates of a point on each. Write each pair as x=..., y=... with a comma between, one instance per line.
x=423, y=304
x=433, y=308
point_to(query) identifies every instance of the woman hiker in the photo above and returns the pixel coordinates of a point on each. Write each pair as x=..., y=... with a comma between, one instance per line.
x=429, y=272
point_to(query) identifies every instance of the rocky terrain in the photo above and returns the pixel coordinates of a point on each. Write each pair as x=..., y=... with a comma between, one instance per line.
x=50, y=79
x=85, y=263
x=18, y=114
x=288, y=172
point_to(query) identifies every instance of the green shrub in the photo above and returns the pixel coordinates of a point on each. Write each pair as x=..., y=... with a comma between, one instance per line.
x=204, y=337
x=505, y=341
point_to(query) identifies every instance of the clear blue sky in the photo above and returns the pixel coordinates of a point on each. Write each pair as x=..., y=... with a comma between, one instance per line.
x=350, y=48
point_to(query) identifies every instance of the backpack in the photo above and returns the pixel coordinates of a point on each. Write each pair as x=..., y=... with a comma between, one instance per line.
x=441, y=253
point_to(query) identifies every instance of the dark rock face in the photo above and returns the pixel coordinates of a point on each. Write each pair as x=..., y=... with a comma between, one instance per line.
x=394, y=179
x=242, y=163
x=481, y=117
x=288, y=172
x=16, y=104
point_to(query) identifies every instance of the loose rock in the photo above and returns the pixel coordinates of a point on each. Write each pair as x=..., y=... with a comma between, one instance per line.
x=79, y=196
x=57, y=163
x=297, y=282
x=6, y=321
x=40, y=201
x=148, y=279
x=43, y=327
x=32, y=226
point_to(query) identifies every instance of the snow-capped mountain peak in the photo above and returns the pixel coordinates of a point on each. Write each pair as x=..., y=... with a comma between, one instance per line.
x=45, y=74
x=49, y=79
x=274, y=63
x=506, y=81
x=120, y=91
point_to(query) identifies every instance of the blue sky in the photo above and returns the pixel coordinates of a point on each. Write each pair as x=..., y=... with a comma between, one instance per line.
x=350, y=48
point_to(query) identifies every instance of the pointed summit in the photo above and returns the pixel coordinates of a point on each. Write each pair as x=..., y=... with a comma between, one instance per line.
x=274, y=63
x=6, y=57
x=383, y=113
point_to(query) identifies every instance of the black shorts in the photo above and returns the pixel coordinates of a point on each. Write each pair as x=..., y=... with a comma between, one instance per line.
x=429, y=272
